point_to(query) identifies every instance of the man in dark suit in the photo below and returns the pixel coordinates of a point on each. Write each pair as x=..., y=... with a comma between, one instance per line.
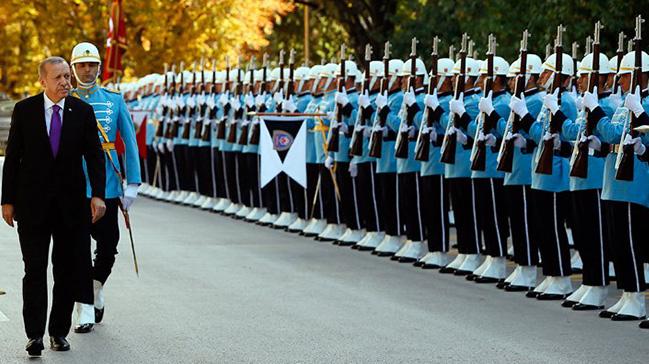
x=44, y=190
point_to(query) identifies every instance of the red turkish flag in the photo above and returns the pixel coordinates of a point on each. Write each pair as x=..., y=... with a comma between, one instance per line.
x=115, y=44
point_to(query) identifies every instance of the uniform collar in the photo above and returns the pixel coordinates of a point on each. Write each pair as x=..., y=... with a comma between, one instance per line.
x=531, y=92
x=444, y=94
x=87, y=92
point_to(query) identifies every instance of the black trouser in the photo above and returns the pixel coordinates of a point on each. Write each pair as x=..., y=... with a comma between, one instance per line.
x=409, y=197
x=463, y=199
x=106, y=234
x=524, y=230
x=550, y=211
x=390, y=206
x=270, y=196
x=171, y=175
x=70, y=265
x=368, y=199
x=179, y=159
x=286, y=201
x=243, y=184
x=434, y=204
x=348, y=196
x=590, y=234
x=252, y=168
x=314, y=191
x=220, y=174
x=230, y=166
x=190, y=178
x=627, y=225
x=492, y=214
x=330, y=201
x=150, y=163
x=204, y=169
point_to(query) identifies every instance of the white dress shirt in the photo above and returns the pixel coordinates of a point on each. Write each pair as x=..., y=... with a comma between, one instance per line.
x=48, y=111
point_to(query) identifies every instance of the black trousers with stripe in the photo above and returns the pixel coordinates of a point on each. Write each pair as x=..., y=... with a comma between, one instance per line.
x=524, y=230
x=348, y=196
x=434, y=204
x=368, y=189
x=550, y=211
x=331, y=205
x=389, y=209
x=590, y=234
x=220, y=180
x=178, y=159
x=204, y=171
x=409, y=204
x=189, y=178
x=627, y=226
x=463, y=201
x=492, y=215
x=314, y=193
x=252, y=168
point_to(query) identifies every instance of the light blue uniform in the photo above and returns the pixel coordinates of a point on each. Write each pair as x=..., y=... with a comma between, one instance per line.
x=558, y=180
x=501, y=106
x=113, y=115
x=342, y=155
x=433, y=167
x=388, y=163
x=327, y=104
x=409, y=165
x=462, y=166
x=365, y=158
x=636, y=191
x=312, y=155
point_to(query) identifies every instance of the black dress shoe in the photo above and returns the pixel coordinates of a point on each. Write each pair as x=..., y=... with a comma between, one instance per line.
x=530, y=294
x=59, y=343
x=406, y=260
x=365, y=248
x=345, y=243
x=430, y=266
x=418, y=263
x=383, y=254
x=502, y=284
x=568, y=303
x=447, y=270
x=394, y=257
x=516, y=288
x=462, y=272
x=335, y=242
x=99, y=314
x=606, y=314
x=585, y=307
x=486, y=280
x=623, y=317
x=355, y=246
x=470, y=277
x=34, y=347
x=551, y=297
x=644, y=324
x=83, y=329
x=374, y=252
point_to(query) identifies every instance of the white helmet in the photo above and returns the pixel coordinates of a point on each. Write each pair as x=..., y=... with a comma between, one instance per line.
x=445, y=67
x=394, y=67
x=376, y=71
x=314, y=72
x=208, y=77
x=628, y=63
x=420, y=68
x=567, y=67
x=329, y=70
x=612, y=64
x=472, y=67
x=85, y=52
x=351, y=69
x=301, y=73
x=534, y=63
x=501, y=67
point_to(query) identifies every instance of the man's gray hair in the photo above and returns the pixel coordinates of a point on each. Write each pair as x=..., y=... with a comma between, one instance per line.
x=49, y=60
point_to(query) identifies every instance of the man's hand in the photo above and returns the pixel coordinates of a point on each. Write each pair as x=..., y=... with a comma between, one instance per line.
x=8, y=214
x=97, y=208
x=130, y=194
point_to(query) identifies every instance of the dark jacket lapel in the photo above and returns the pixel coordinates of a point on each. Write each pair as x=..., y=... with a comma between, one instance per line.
x=68, y=121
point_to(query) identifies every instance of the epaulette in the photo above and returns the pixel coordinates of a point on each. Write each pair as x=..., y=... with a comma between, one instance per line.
x=111, y=90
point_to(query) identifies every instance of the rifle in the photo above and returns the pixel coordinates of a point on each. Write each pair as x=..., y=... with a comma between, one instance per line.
x=506, y=153
x=364, y=114
x=220, y=128
x=403, y=138
x=376, y=139
x=625, y=155
x=290, y=87
x=620, y=55
x=479, y=150
x=333, y=139
x=546, y=154
x=449, y=145
x=254, y=134
x=579, y=160
x=202, y=107
x=171, y=103
x=575, y=54
x=191, y=109
x=422, y=148
x=207, y=124
x=243, y=138
x=238, y=114
x=165, y=107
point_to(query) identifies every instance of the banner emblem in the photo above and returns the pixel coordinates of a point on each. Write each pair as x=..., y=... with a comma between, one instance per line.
x=282, y=140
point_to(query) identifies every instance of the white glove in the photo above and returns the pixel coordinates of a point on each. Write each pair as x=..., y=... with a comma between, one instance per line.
x=200, y=99
x=638, y=147
x=341, y=97
x=209, y=101
x=279, y=96
x=367, y=131
x=431, y=132
x=161, y=147
x=130, y=194
x=459, y=135
x=331, y=116
x=329, y=162
x=519, y=106
x=260, y=99
x=594, y=143
x=633, y=102
x=249, y=100
x=409, y=97
x=551, y=101
x=555, y=139
x=490, y=140
x=170, y=144
x=486, y=104
x=616, y=98
x=590, y=99
x=404, y=128
x=431, y=100
x=236, y=104
x=380, y=129
x=579, y=103
x=381, y=100
x=457, y=105
x=224, y=99
x=519, y=141
x=191, y=101
x=289, y=105
x=353, y=170
x=364, y=100
x=245, y=122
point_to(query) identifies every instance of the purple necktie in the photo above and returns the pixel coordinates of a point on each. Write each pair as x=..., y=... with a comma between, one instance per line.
x=55, y=129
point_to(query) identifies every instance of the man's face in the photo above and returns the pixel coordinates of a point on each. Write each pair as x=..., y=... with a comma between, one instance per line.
x=86, y=71
x=582, y=83
x=545, y=76
x=56, y=80
x=625, y=82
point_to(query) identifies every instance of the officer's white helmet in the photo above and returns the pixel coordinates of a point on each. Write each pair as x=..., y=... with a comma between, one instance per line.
x=301, y=73
x=444, y=67
x=85, y=52
x=420, y=67
x=501, y=67
x=376, y=71
x=567, y=66
x=314, y=72
x=394, y=67
x=628, y=63
x=472, y=67
x=534, y=63
x=351, y=70
x=329, y=70
x=612, y=64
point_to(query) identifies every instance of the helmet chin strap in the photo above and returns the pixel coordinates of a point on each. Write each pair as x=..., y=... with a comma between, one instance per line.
x=86, y=84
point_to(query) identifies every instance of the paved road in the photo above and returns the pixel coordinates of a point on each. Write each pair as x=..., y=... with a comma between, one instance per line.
x=217, y=290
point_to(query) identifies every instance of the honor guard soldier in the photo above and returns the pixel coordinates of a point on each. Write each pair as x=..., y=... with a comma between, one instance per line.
x=112, y=117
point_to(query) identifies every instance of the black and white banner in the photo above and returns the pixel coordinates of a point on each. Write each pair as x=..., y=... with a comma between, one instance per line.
x=282, y=146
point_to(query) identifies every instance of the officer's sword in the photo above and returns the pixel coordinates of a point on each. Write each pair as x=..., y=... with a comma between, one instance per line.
x=127, y=218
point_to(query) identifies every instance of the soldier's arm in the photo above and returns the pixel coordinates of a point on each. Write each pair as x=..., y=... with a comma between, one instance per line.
x=127, y=133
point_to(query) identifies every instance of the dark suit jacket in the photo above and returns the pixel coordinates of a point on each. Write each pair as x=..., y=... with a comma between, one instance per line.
x=39, y=185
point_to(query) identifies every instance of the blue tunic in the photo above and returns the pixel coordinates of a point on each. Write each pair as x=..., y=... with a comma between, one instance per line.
x=434, y=167
x=388, y=163
x=409, y=165
x=462, y=166
x=501, y=106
